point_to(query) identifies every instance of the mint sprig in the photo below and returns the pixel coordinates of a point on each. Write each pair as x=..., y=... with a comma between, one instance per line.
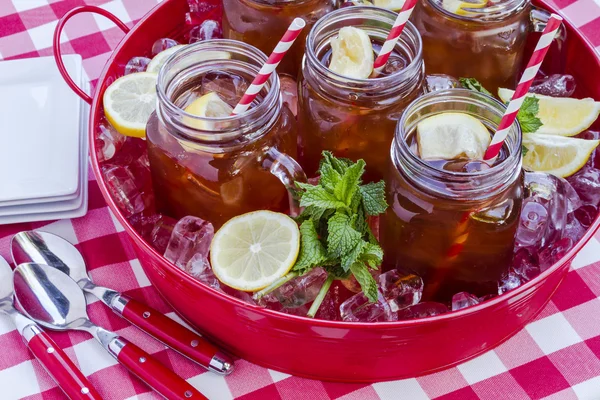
x=334, y=231
x=528, y=112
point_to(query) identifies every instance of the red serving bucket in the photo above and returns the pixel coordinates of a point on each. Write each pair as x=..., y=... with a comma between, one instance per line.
x=329, y=350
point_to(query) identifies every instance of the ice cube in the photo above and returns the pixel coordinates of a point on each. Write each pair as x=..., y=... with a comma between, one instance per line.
x=532, y=224
x=162, y=45
x=437, y=82
x=586, y=215
x=358, y=308
x=191, y=235
x=400, y=290
x=207, y=30
x=554, y=252
x=136, y=64
x=574, y=230
x=230, y=87
x=422, y=310
x=108, y=142
x=525, y=265
x=394, y=64
x=193, y=19
x=329, y=310
x=201, y=7
x=155, y=229
x=124, y=191
x=508, y=282
x=289, y=93
x=463, y=300
x=587, y=184
x=554, y=85
x=199, y=267
x=301, y=290
x=131, y=150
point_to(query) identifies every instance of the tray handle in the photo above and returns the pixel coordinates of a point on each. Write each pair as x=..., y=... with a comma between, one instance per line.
x=56, y=43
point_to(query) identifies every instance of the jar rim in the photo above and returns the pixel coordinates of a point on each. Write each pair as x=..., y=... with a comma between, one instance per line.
x=267, y=105
x=377, y=14
x=493, y=13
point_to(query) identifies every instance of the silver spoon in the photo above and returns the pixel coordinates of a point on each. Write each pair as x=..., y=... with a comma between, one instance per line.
x=54, y=300
x=47, y=248
x=53, y=359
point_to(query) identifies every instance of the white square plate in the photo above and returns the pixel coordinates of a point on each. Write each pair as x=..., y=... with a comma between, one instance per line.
x=39, y=129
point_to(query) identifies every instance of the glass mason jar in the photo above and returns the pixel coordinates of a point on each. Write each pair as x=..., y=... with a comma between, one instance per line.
x=262, y=23
x=454, y=229
x=354, y=118
x=487, y=45
x=217, y=168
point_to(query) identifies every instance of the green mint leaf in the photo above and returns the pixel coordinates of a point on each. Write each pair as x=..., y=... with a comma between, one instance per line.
x=338, y=164
x=312, y=252
x=330, y=178
x=527, y=115
x=338, y=272
x=372, y=254
x=348, y=185
x=341, y=238
x=311, y=212
x=317, y=196
x=350, y=258
x=524, y=150
x=373, y=196
x=366, y=281
x=473, y=84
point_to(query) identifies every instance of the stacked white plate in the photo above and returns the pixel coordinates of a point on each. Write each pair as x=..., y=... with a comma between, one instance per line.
x=43, y=141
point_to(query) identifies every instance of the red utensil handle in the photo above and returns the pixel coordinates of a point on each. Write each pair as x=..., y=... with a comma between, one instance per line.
x=56, y=43
x=164, y=381
x=174, y=335
x=60, y=367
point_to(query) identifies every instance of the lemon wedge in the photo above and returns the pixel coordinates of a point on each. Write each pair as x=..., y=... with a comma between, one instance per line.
x=159, y=59
x=352, y=53
x=452, y=135
x=394, y=5
x=209, y=105
x=253, y=250
x=460, y=7
x=556, y=155
x=129, y=101
x=561, y=116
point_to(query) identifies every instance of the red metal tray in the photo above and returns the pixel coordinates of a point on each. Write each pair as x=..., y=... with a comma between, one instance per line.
x=330, y=350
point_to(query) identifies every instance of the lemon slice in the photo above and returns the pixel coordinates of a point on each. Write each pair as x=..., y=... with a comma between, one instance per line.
x=556, y=155
x=352, y=53
x=451, y=135
x=253, y=250
x=129, y=101
x=211, y=106
x=394, y=5
x=159, y=59
x=460, y=7
x=561, y=116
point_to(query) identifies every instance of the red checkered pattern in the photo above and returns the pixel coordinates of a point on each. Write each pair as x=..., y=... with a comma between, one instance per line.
x=555, y=357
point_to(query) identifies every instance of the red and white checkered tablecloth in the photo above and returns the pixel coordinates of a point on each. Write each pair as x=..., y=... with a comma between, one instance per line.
x=555, y=357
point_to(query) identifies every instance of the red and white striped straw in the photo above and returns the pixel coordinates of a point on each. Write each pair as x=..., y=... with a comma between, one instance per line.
x=393, y=37
x=523, y=87
x=267, y=69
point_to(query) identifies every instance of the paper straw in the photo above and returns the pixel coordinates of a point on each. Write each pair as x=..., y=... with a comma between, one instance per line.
x=267, y=69
x=523, y=87
x=393, y=37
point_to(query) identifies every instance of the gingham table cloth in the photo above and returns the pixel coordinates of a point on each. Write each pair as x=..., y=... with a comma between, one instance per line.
x=555, y=357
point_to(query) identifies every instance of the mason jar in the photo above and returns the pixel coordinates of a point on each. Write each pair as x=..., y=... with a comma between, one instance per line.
x=487, y=44
x=355, y=118
x=217, y=168
x=454, y=229
x=262, y=23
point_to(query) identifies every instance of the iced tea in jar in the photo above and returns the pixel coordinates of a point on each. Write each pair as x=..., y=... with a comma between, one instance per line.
x=452, y=221
x=477, y=39
x=219, y=167
x=355, y=118
x=262, y=23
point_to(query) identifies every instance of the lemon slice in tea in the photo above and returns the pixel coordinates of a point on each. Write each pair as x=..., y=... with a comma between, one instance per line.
x=452, y=135
x=460, y=7
x=209, y=105
x=253, y=250
x=394, y=5
x=352, y=53
x=556, y=155
x=561, y=116
x=129, y=101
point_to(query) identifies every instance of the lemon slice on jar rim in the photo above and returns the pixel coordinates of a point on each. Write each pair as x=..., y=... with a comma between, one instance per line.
x=394, y=5
x=253, y=250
